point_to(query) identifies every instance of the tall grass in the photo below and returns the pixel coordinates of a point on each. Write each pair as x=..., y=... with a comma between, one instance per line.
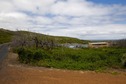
x=78, y=59
x=5, y=36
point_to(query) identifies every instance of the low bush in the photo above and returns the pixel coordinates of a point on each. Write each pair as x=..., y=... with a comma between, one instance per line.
x=31, y=55
x=79, y=59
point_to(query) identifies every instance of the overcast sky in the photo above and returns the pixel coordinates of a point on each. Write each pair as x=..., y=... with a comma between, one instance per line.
x=84, y=19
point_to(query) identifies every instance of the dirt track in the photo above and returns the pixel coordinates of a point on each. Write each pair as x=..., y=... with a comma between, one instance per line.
x=14, y=73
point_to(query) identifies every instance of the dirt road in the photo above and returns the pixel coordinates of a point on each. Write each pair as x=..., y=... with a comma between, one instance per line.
x=13, y=72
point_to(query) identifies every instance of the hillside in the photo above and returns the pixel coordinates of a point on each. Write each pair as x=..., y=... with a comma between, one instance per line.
x=62, y=39
x=6, y=36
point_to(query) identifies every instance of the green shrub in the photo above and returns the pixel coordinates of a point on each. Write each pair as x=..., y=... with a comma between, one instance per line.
x=42, y=54
x=32, y=55
x=25, y=55
x=79, y=59
x=123, y=60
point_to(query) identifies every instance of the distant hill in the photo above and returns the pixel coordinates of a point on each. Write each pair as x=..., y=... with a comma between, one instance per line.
x=6, y=36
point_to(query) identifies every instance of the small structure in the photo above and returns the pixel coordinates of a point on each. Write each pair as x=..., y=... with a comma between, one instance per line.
x=75, y=45
x=99, y=44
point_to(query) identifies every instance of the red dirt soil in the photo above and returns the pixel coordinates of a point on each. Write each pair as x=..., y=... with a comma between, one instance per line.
x=13, y=72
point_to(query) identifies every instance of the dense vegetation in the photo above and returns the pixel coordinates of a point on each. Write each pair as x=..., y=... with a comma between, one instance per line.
x=78, y=59
x=44, y=50
x=5, y=36
x=59, y=39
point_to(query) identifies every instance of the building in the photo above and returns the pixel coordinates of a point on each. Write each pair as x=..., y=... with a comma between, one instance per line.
x=99, y=44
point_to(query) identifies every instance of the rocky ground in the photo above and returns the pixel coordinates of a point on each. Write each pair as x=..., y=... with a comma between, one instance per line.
x=12, y=72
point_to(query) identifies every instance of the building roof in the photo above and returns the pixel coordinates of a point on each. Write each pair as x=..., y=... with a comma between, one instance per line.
x=98, y=43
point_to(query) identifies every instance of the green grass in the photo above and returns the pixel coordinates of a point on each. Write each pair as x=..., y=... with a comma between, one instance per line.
x=115, y=73
x=75, y=59
x=5, y=36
